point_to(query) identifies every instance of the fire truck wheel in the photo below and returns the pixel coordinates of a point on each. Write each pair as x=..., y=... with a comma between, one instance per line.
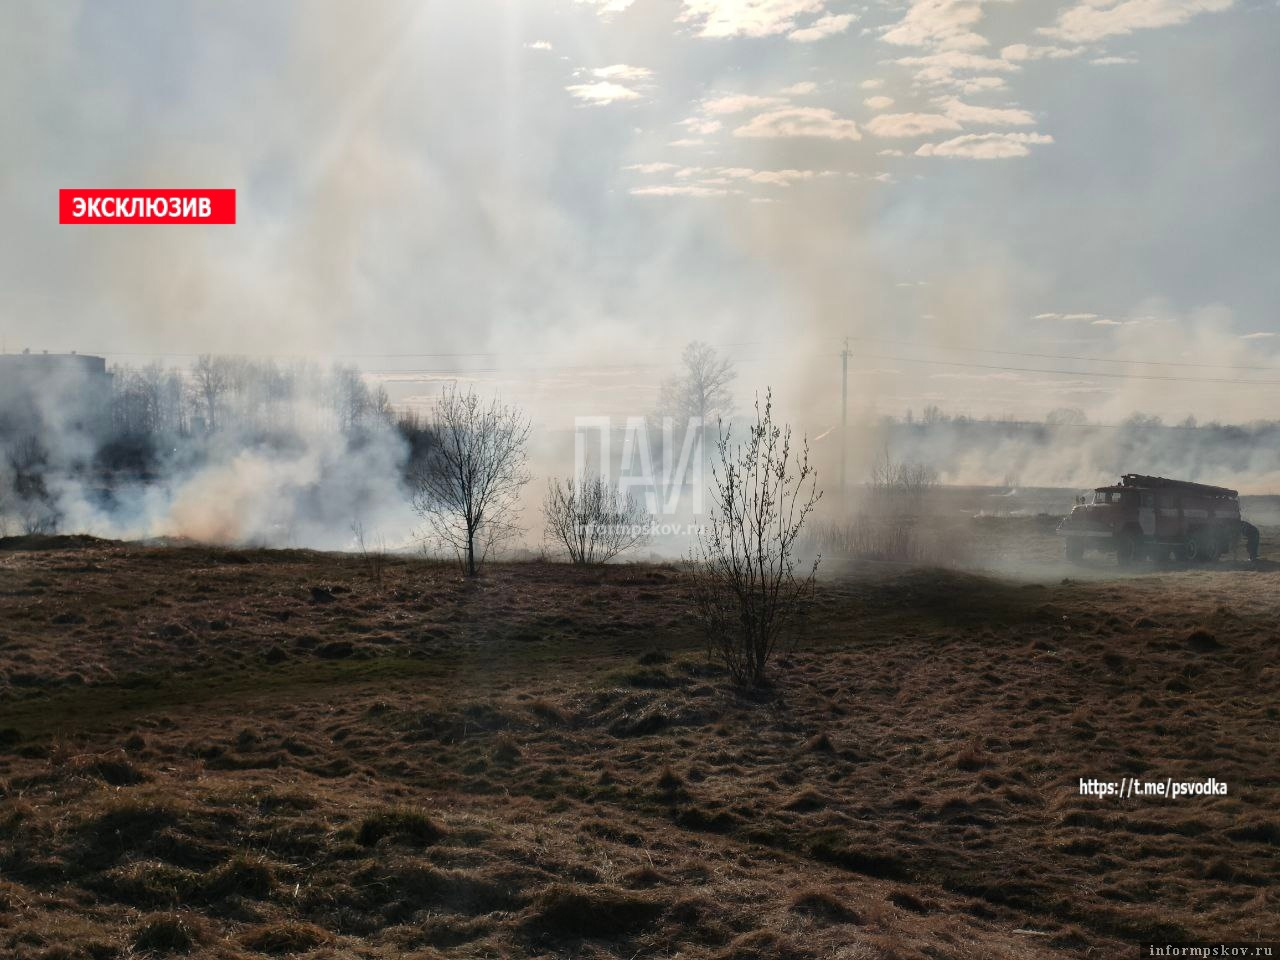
x=1126, y=548
x=1193, y=551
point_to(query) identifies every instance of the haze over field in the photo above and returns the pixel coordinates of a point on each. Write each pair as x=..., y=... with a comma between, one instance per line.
x=553, y=196
x=377, y=577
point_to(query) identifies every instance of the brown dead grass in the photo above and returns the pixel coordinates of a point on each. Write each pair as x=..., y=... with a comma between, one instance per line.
x=542, y=763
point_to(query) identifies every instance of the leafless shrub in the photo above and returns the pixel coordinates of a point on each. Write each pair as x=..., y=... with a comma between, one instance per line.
x=468, y=489
x=869, y=538
x=747, y=592
x=25, y=499
x=924, y=541
x=593, y=520
x=375, y=557
x=898, y=486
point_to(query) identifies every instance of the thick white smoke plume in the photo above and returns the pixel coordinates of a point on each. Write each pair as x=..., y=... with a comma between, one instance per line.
x=235, y=452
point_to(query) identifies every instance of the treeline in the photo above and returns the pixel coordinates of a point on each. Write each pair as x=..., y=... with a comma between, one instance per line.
x=1066, y=450
x=164, y=421
x=934, y=416
x=253, y=402
x=250, y=398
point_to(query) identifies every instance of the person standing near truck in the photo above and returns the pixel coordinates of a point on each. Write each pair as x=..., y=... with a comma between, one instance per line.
x=1251, y=538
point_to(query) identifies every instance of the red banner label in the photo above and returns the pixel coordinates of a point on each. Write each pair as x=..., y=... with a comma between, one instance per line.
x=146, y=206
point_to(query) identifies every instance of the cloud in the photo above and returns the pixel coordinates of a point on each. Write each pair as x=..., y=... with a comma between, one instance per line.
x=1112, y=61
x=602, y=93
x=939, y=25
x=1021, y=51
x=890, y=152
x=971, y=85
x=747, y=18
x=740, y=102
x=650, y=167
x=720, y=181
x=800, y=89
x=622, y=71
x=968, y=114
x=701, y=125
x=800, y=122
x=687, y=142
x=985, y=146
x=539, y=45
x=827, y=26
x=607, y=6
x=873, y=84
x=1260, y=335
x=940, y=68
x=1091, y=20
x=1071, y=317
x=879, y=103
x=680, y=190
x=909, y=124
x=777, y=178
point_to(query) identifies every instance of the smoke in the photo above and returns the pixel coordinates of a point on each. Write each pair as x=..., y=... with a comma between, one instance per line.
x=1082, y=456
x=413, y=181
x=233, y=453
x=313, y=497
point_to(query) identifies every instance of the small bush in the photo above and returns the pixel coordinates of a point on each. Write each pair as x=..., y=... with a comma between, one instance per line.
x=593, y=521
x=900, y=487
x=746, y=589
x=889, y=538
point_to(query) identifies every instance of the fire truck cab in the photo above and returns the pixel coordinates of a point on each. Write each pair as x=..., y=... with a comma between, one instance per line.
x=1154, y=518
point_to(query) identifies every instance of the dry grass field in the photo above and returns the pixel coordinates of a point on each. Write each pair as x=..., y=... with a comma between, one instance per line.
x=234, y=754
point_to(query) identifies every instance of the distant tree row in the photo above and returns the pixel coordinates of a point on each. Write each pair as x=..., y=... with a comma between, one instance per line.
x=933, y=415
x=238, y=393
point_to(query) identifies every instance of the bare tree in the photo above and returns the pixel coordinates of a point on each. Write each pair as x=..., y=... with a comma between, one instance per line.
x=747, y=592
x=209, y=382
x=701, y=390
x=593, y=520
x=468, y=488
x=375, y=558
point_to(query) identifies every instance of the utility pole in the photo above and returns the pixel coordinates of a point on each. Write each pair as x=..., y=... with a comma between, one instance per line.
x=844, y=418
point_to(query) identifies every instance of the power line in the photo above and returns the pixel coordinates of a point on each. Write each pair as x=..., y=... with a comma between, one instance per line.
x=606, y=368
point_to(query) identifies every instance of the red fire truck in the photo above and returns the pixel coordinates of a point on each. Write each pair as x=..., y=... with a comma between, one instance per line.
x=1154, y=518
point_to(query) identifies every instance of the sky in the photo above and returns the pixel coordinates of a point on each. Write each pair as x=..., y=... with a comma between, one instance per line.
x=996, y=201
